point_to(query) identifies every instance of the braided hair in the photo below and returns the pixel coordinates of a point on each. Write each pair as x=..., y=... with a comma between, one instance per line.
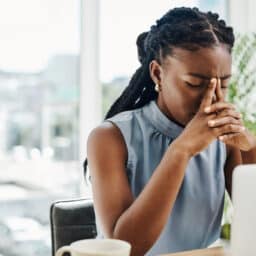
x=183, y=27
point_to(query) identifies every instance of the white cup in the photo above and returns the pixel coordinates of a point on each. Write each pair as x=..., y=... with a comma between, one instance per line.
x=96, y=247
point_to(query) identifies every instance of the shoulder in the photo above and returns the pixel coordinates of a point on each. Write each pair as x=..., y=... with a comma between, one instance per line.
x=106, y=130
x=126, y=116
x=106, y=140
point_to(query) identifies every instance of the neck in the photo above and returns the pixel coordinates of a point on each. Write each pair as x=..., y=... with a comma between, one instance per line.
x=162, y=106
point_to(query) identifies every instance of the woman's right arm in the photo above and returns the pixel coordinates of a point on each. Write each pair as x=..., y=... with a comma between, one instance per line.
x=141, y=220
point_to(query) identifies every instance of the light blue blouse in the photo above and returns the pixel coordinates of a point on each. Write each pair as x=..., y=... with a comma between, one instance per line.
x=195, y=220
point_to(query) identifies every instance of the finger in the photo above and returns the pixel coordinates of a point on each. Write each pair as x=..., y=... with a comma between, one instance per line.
x=208, y=97
x=228, y=128
x=219, y=93
x=223, y=121
x=229, y=112
x=218, y=106
x=226, y=137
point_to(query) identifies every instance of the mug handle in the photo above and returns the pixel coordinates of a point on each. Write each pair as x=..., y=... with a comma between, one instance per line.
x=63, y=249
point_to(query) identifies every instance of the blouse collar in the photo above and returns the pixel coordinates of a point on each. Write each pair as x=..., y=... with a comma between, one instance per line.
x=166, y=126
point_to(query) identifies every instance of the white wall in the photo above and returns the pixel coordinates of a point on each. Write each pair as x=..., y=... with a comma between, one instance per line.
x=243, y=15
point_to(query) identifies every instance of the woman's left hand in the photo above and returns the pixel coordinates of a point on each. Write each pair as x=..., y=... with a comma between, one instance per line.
x=244, y=140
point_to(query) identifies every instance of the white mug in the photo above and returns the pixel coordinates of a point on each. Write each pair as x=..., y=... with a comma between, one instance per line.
x=96, y=247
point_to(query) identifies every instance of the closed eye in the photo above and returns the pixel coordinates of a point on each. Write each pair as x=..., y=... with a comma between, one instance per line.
x=195, y=85
x=199, y=86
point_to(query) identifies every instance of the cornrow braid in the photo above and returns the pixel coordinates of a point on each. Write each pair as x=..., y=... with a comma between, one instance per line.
x=182, y=27
x=222, y=31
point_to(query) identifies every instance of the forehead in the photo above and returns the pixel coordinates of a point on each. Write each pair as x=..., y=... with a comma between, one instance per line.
x=214, y=61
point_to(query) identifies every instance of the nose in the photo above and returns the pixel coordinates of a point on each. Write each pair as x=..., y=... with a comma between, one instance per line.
x=200, y=98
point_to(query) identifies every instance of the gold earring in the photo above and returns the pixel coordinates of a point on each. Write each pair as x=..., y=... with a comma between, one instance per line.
x=157, y=87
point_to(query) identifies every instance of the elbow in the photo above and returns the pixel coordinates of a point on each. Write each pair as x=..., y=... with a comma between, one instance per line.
x=139, y=246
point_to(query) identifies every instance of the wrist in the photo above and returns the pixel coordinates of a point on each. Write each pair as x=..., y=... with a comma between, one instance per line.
x=181, y=149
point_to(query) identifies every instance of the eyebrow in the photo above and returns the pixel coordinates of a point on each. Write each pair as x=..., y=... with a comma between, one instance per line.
x=207, y=77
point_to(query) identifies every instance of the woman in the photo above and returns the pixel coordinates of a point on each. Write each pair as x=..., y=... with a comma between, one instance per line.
x=162, y=159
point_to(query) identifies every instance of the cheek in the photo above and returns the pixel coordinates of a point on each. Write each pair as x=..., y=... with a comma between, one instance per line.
x=191, y=98
x=172, y=94
x=180, y=99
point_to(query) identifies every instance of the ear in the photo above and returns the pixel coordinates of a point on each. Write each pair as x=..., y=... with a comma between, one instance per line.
x=156, y=72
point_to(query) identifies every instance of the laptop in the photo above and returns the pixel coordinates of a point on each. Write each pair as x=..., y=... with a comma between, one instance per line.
x=243, y=229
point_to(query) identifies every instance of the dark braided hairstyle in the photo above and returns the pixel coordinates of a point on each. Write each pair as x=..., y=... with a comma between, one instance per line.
x=186, y=28
x=183, y=27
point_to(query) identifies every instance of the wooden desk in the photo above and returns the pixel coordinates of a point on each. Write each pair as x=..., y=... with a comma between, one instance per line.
x=216, y=251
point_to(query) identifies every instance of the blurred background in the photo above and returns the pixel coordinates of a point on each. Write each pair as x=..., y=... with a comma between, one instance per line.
x=62, y=63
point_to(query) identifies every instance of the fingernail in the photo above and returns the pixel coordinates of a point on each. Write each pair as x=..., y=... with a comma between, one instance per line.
x=207, y=109
x=212, y=80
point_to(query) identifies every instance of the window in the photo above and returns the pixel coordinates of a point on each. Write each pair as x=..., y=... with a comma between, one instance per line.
x=39, y=106
x=120, y=24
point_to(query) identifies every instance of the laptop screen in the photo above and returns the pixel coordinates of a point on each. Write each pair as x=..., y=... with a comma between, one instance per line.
x=243, y=229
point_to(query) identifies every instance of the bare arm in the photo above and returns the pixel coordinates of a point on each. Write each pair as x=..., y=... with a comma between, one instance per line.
x=138, y=221
x=234, y=158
